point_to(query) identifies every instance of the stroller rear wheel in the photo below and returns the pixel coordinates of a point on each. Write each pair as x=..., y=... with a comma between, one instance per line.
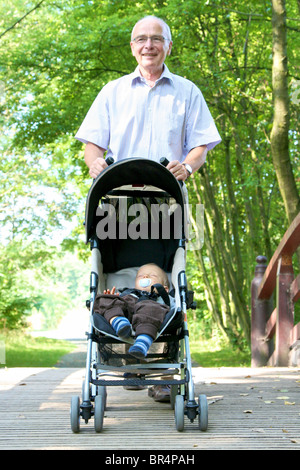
x=75, y=414
x=101, y=390
x=99, y=413
x=203, y=413
x=179, y=412
x=174, y=392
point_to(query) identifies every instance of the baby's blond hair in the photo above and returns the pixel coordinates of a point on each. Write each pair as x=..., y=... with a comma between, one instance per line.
x=164, y=275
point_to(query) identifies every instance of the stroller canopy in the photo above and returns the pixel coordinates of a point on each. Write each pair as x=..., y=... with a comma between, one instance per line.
x=131, y=171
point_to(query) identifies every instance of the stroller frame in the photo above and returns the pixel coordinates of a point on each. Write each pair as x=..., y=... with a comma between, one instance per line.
x=94, y=387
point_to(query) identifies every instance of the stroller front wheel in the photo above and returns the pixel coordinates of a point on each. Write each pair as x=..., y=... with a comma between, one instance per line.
x=203, y=413
x=101, y=390
x=179, y=412
x=99, y=413
x=75, y=414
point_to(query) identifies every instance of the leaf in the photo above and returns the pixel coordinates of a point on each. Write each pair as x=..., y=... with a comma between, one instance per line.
x=214, y=400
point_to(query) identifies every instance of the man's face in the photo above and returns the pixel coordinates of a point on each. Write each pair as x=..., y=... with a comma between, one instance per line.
x=151, y=54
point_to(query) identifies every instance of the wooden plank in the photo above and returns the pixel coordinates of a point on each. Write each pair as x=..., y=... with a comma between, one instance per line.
x=271, y=325
x=248, y=409
x=295, y=334
x=286, y=248
x=285, y=317
x=295, y=289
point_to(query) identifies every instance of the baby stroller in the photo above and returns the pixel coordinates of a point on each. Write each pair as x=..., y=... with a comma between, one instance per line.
x=120, y=243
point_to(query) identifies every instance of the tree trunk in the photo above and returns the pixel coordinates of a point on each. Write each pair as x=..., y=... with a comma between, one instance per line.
x=280, y=129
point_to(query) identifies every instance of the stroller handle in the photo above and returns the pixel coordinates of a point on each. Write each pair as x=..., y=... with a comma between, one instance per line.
x=109, y=160
x=164, y=161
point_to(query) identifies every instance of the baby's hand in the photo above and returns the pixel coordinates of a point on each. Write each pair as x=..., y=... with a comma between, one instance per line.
x=112, y=292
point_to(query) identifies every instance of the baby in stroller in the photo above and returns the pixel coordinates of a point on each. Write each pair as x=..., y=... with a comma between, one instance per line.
x=142, y=309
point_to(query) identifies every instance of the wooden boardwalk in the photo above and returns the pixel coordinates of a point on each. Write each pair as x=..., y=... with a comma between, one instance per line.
x=248, y=409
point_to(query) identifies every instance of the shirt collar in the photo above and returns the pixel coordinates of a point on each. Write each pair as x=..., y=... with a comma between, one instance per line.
x=136, y=75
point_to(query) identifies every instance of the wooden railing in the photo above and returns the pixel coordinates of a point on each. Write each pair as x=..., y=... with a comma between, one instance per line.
x=276, y=280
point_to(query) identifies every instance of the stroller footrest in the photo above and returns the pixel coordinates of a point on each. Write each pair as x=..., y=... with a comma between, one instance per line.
x=137, y=382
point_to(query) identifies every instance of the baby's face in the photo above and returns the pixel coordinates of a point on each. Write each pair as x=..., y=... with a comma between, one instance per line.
x=151, y=275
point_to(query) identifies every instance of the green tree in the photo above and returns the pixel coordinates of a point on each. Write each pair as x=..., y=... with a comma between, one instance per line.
x=281, y=121
x=54, y=59
x=21, y=265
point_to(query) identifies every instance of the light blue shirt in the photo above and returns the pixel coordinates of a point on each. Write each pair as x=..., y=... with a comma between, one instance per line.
x=130, y=119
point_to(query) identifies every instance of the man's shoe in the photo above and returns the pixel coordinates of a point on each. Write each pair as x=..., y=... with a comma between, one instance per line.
x=160, y=393
x=128, y=375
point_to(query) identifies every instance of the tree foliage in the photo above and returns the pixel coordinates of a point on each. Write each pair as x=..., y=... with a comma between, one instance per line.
x=36, y=279
x=54, y=59
x=21, y=265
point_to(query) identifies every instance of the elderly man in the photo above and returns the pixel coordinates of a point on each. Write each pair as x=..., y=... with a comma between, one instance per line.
x=151, y=113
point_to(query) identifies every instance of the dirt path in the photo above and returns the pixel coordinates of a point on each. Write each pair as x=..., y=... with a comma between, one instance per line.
x=76, y=358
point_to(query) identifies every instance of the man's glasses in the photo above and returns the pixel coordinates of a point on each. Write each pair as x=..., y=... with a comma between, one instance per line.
x=154, y=39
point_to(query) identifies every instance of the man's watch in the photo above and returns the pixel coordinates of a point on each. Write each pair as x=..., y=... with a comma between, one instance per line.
x=188, y=168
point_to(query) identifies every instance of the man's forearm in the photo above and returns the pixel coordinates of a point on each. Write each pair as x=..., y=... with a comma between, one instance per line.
x=92, y=152
x=94, y=158
x=196, y=157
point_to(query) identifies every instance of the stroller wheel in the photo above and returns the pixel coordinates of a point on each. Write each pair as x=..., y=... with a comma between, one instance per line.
x=75, y=414
x=203, y=413
x=179, y=412
x=101, y=390
x=174, y=392
x=99, y=413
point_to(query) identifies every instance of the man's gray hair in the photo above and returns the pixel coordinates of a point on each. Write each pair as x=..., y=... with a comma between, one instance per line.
x=163, y=23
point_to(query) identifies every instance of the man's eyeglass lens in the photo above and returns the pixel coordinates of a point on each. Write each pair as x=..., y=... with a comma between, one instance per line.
x=153, y=39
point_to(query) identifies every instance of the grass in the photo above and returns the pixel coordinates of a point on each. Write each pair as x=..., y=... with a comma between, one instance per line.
x=23, y=350
x=206, y=354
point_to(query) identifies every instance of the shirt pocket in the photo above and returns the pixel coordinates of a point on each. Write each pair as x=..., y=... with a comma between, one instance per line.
x=176, y=129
